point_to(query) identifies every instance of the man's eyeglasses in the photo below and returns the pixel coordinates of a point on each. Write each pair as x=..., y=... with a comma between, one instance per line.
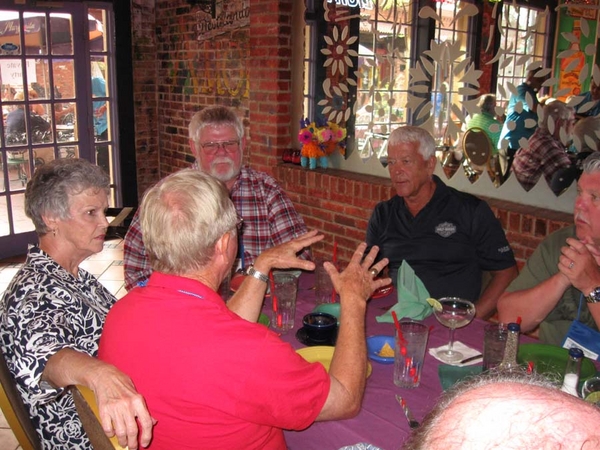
x=211, y=148
x=239, y=224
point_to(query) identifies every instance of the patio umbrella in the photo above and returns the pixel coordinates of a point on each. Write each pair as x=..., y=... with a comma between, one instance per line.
x=35, y=31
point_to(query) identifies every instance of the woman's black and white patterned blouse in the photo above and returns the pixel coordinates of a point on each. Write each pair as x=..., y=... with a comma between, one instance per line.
x=44, y=310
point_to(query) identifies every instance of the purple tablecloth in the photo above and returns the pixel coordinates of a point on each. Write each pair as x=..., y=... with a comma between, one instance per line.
x=381, y=421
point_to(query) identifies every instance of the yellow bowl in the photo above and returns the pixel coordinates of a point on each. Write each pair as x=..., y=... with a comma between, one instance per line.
x=323, y=354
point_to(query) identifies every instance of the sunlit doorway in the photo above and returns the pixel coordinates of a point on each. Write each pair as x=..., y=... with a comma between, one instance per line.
x=57, y=98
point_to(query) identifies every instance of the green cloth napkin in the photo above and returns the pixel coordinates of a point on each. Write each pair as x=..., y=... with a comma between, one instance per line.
x=449, y=375
x=412, y=297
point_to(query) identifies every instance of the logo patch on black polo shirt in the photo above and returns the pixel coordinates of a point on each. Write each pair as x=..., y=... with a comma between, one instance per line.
x=445, y=229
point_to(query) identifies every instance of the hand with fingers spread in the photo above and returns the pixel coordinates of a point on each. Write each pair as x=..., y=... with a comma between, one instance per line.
x=285, y=256
x=247, y=301
x=359, y=276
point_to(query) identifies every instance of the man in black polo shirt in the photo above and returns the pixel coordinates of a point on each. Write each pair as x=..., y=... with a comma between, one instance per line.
x=448, y=237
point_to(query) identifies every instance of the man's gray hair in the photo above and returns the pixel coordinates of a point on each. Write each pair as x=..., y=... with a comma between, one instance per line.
x=49, y=191
x=493, y=411
x=182, y=218
x=591, y=164
x=410, y=134
x=214, y=116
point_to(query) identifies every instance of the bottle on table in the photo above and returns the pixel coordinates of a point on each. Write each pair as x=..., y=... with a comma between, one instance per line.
x=572, y=369
x=509, y=361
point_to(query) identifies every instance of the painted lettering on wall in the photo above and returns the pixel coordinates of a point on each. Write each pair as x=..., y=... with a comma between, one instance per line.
x=230, y=15
x=227, y=76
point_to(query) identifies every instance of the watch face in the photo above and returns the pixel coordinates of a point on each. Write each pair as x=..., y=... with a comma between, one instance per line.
x=595, y=295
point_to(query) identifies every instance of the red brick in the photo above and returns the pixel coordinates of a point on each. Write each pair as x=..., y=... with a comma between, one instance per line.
x=541, y=227
x=527, y=225
x=514, y=222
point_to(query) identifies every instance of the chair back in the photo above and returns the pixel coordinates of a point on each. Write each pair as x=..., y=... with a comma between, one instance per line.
x=477, y=147
x=479, y=156
x=15, y=411
x=85, y=402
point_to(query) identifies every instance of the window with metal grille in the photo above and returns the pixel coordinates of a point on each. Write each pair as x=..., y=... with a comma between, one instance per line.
x=523, y=32
x=447, y=82
x=384, y=52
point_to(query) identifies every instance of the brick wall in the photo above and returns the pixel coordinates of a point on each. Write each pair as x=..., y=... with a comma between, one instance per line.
x=144, y=54
x=270, y=81
x=249, y=69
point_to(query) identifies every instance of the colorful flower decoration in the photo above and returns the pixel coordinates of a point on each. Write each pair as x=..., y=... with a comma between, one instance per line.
x=321, y=138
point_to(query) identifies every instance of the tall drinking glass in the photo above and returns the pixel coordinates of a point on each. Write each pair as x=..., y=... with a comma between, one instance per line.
x=283, y=300
x=454, y=313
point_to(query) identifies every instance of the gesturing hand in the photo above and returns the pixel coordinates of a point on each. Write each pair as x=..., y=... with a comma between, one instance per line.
x=359, y=276
x=285, y=256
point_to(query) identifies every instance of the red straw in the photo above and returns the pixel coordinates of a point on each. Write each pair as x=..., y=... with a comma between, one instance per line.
x=519, y=320
x=278, y=317
x=397, y=324
x=530, y=367
x=273, y=291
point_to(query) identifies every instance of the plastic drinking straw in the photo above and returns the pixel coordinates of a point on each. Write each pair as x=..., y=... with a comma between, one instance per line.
x=397, y=324
x=272, y=280
x=278, y=318
x=519, y=320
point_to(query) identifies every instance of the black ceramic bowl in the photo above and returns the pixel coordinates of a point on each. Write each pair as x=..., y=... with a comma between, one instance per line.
x=319, y=326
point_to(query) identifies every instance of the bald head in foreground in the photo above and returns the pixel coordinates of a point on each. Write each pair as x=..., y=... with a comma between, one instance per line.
x=508, y=411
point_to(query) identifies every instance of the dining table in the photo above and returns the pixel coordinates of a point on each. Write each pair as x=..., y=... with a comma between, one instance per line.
x=381, y=421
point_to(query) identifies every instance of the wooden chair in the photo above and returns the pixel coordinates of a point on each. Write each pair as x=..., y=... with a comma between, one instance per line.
x=85, y=402
x=15, y=411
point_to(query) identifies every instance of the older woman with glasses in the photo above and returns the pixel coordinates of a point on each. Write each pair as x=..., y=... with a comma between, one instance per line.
x=53, y=312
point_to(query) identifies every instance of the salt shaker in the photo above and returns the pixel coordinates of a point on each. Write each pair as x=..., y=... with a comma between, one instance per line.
x=509, y=361
x=572, y=371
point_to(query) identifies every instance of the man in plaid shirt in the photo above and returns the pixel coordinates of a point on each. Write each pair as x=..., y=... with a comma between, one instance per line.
x=269, y=218
x=546, y=153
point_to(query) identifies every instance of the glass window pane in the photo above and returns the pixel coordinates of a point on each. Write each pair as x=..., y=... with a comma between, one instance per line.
x=515, y=23
x=39, y=80
x=20, y=221
x=382, y=81
x=68, y=152
x=97, y=27
x=18, y=168
x=11, y=78
x=42, y=155
x=61, y=34
x=35, y=33
x=10, y=33
x=64, y=79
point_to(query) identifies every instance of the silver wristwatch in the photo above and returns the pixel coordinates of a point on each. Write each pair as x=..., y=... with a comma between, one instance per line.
x=594, y=296
x=251, y=271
